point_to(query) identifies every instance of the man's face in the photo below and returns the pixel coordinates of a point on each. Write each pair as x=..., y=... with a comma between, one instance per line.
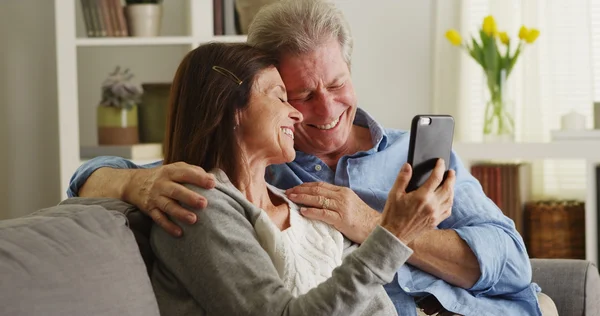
x=319, y=85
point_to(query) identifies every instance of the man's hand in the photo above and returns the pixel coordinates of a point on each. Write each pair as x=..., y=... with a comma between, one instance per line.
x=159, y=191
x=410, y=214
x=337, y=206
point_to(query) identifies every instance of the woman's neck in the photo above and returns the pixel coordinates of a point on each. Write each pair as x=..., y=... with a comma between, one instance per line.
x=254, y=187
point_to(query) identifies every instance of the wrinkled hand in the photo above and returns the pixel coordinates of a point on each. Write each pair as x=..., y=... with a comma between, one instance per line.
x=336, y=206
x=159, y=191
x=408, y=215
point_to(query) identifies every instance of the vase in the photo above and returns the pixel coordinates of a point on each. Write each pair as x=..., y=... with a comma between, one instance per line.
x=152, y=115
x=143, y=20
x=117, y=126
x=498, y=123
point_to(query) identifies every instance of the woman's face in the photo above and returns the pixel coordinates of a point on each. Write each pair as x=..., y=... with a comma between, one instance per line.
x=266, y=126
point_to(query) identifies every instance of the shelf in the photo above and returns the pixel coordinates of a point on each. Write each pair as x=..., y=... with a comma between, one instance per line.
x=226, y=38
x=134, y=41
x=155, y=41
x=585, y=149
x=138, y=162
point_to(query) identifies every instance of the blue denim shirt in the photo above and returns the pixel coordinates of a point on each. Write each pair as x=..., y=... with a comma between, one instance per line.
x=504, y=287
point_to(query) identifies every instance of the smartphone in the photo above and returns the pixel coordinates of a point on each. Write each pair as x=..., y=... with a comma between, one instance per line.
x=430, y=138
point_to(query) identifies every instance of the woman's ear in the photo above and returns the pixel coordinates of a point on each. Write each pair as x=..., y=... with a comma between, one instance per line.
x=238, y=119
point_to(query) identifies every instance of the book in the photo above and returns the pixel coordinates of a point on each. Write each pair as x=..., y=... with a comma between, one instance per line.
x=137, y=151
x=97, y=18
x=87, y=18
x=507, y=185
x=120, y=14
x=218, y=17
x=105, y=16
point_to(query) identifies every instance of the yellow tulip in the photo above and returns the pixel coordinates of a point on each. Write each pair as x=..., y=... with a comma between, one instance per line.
x=489, y=26
x=532, y=35
x=504, y=38
x=523, y=32
x=454, y=37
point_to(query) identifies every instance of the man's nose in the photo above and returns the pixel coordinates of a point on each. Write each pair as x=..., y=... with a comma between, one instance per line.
x=323, y=105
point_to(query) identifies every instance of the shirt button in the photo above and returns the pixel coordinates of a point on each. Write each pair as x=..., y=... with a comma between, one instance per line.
x=406, y=289
x=318, y=167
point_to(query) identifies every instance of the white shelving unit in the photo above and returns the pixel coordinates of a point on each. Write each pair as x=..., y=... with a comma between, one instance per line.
x=585, y=150
x=69, y=46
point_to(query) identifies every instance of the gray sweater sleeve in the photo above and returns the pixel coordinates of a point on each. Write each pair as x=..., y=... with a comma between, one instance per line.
x=225, y=271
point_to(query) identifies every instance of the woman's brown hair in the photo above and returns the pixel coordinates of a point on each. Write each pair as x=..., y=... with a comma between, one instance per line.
x=206, y=95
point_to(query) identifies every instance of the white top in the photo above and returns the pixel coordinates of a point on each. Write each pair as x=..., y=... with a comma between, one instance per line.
x=304, y=254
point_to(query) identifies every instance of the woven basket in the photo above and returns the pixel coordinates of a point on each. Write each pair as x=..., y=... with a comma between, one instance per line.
x=555, y=229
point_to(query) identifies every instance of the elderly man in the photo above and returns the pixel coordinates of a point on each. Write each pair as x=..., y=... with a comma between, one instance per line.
x=474, y=264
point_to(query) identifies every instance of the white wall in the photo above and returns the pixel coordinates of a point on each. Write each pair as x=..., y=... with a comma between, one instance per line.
x=28, y=107
x=392, y=57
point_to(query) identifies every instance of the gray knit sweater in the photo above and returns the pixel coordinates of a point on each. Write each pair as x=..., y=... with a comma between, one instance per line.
x=218, y=267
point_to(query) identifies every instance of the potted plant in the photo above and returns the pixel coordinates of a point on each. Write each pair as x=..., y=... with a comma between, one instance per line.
x=143, y=17
x=494, y=51
x=117, y=114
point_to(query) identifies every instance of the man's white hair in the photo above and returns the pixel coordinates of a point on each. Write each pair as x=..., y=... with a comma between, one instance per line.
x=298, y=26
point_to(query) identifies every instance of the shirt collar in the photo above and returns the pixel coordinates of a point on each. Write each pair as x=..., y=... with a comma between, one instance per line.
x=378, y=135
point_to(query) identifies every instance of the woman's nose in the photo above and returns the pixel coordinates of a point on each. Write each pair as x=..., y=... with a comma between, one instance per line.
x=296, y=116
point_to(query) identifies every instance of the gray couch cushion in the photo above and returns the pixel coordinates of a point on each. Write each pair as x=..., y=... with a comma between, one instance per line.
x=72, y=260
x=139, y=223
x=573, y=285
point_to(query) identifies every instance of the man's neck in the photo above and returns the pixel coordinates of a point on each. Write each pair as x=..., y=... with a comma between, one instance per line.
x=359, y=140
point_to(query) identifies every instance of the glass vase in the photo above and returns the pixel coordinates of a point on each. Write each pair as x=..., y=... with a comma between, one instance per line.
x=498, y=123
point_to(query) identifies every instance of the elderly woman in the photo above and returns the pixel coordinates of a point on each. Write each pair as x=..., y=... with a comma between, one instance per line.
x=251, y=252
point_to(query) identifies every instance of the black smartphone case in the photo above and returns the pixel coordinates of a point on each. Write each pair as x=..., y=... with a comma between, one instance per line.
x=427, y=144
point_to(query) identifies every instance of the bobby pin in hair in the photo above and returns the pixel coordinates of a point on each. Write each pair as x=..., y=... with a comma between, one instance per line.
x=227, y=74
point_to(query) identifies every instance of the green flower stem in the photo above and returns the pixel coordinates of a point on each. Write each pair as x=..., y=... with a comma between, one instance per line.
x=498, y=120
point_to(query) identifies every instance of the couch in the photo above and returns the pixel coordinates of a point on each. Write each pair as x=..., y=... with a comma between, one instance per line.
x=90, y=257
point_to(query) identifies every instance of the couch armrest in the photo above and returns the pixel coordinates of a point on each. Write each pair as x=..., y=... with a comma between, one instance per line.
x=573, y=285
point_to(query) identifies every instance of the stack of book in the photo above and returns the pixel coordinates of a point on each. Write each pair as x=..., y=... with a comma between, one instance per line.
x=104, y=18
x=225, y=18
x=507, y=185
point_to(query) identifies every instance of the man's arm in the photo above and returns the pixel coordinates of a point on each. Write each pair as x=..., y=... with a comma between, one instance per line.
x=477, y=234
x=112, y=176
x=155, y=189
x=444, y=254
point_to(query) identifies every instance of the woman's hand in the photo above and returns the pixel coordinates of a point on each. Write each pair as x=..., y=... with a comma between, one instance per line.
x=408, y=215
x=159, y=191
x=337, y=206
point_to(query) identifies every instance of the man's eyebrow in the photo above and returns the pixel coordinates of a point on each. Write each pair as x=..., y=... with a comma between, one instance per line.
x=336, y=79
x=303, y=91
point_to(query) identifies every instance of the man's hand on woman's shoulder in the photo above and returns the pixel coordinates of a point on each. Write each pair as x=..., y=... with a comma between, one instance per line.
x=160, y=191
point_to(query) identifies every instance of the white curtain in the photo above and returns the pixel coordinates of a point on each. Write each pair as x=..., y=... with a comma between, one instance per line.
x=552, y=77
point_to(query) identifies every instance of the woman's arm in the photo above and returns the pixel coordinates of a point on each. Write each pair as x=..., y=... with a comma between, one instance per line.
x=221, y=264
